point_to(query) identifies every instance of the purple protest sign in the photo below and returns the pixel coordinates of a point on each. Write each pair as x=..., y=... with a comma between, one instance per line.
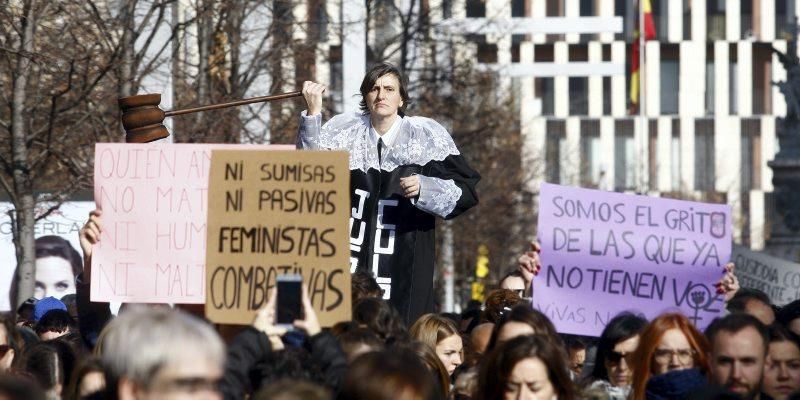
x=604, y=253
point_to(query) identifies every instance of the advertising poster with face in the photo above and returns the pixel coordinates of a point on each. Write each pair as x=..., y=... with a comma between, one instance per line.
x=57, y=243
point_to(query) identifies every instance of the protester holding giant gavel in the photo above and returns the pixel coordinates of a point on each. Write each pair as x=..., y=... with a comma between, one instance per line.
x=404, y=172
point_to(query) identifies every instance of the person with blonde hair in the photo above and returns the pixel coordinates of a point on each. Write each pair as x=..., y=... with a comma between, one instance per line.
x=440, y=334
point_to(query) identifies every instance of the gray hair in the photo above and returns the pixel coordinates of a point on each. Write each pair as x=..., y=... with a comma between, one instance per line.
x=142, y=340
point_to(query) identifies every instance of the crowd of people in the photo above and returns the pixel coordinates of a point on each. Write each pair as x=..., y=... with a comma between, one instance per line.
x=61, y=345
x=72, y=348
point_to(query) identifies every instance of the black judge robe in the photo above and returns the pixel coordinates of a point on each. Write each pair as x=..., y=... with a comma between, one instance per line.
x=390, y=235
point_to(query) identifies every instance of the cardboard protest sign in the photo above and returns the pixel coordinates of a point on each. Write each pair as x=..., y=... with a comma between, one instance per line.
x=154, y=202
x=778, y=278
x=273, y=213
x=604, y=253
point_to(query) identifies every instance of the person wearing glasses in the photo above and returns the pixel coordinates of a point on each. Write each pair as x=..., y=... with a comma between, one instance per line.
x=612, y=371
x=671, y=359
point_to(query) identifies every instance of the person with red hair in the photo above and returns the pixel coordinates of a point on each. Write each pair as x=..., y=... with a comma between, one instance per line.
x=672, y=358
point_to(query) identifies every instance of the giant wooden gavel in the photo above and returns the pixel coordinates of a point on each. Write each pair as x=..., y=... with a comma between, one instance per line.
x=143, y=120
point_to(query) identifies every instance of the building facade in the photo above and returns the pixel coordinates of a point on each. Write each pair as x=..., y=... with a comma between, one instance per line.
x=708, y=107
x=707, y=126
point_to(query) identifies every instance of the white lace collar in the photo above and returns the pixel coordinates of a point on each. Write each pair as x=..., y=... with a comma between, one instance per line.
x=419, y=140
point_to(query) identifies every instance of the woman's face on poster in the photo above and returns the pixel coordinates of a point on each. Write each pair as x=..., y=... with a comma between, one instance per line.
x=54, y=278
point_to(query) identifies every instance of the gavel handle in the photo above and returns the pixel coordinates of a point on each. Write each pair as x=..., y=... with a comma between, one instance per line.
x=233, y=103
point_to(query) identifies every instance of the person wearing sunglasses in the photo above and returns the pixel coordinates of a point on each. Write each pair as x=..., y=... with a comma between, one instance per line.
x=612, y=371
x=671, y=360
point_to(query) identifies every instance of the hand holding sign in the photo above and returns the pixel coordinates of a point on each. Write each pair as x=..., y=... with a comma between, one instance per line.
x=310, y=324
x=729, y=284
x=529, y=264
x=89, y=236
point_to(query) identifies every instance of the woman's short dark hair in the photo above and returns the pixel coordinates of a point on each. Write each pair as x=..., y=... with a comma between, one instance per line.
x=534, y=318
x=779, y=333
x=372, y=75
x=381, y=318
x=388, y=374
x=788, y=313
x=84, y=367
x=50, y=363
x=56, y=246
x=620, y=328
x=495, y=372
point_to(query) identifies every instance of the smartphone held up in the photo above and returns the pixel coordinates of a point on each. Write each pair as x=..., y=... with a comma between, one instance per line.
x=289, y=304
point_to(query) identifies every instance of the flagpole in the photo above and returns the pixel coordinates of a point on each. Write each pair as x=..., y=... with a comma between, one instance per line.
x=643, y=136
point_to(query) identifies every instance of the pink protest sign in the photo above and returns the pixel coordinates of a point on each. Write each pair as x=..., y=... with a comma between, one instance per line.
x=604, y=253
x=154, y=200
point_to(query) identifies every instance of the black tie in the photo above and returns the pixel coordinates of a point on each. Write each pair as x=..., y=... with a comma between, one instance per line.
x=380, y=147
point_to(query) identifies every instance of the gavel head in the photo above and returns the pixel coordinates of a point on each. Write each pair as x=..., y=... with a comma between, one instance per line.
x=142, y=119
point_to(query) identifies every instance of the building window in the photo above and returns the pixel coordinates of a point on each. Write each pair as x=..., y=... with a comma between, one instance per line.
x=447, y=9
x=653, y=155
x=556, y=151
x=762, y=78
x=518, y=8
x=515, y=48
x=587, y=9
x=578, y=96
x=624, y=9
x=544, y=89
x=733, y=86
x=746, y=18
x=783, y=20
x=670, y=82
x=715, y=23
x=487, y=53
x=710, y=80
x=476, y=9
x=554, y=8
x=704, y=173
x=660, y=18
x=751, y=154
x=591, y=167
x=624, y=156
x=687, y=19
x=335, y=60
x=675, y=156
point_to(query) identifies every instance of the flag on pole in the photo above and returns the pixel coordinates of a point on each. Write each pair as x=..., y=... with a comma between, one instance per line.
x=649, y=34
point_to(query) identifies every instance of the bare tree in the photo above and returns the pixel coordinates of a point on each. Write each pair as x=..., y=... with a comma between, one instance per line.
x=62, y=66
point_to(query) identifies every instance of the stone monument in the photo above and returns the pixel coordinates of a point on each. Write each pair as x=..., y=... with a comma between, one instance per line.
x=784, y=240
